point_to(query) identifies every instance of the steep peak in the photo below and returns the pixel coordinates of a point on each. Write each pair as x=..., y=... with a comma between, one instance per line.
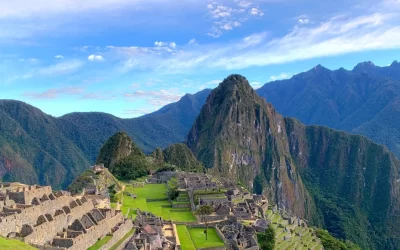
x=235, y=83
x=394, y=63
x=364, y=66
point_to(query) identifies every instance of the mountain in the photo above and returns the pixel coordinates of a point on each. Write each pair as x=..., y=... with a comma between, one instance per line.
x=33, y=149
x=158, y=129
x=36, y=148
x=365, y=100
x=123, y=158
x=181, y=156
x=345, y=183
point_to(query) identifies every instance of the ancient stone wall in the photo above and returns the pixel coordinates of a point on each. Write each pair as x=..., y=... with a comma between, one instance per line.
x=93, y=234
x=29, y=216
x=119, y=234
x=26, y=194
x=45, y=232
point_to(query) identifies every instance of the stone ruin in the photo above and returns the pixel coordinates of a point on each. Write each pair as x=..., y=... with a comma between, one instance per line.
x=237, y=236
x=193, y=181
x=56, y=220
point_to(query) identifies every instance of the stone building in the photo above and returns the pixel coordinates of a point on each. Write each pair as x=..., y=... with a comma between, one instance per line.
x=56, y=220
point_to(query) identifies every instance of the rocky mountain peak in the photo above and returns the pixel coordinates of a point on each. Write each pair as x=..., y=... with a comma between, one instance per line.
x=364, y=66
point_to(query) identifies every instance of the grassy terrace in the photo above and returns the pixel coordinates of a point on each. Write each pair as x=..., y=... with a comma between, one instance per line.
x=14, y=245
x=303, y=240
x=162, y=208
x=193, y=238
x=100, y=243
x=199, y=238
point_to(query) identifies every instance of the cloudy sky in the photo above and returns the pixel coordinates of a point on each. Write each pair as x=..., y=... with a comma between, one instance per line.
x=131, y=57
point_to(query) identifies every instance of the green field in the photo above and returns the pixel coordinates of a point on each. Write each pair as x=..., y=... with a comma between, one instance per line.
x=199, y=238
x=14, y=245
x=184, y=237
x=100, y=243
x=194, y=238
x=160, y=208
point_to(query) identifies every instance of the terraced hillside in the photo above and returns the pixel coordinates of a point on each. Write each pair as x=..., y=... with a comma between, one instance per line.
x=293, y=236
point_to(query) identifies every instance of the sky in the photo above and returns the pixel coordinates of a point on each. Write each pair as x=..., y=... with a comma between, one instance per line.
x=131, y=57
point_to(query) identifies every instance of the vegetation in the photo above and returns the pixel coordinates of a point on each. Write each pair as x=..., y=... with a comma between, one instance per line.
x=341, y=182
x=212, y=240
x=185, y=238
x=203, y=212
x=14, y=244
x=331, y=243
x=103, y=181
x=267, y=239
x=162, y=207
x=100, y=243
x=181, y=156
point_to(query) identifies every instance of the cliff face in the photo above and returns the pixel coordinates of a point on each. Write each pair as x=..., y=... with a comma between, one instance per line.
x=240, y=136
x=346, y=183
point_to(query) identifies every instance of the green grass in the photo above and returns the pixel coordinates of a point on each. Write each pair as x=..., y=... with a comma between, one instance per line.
x=100, y=243
x=199, y=238
x=159, y=208
x=10, y=244
x=122, y=239
x=184, y=237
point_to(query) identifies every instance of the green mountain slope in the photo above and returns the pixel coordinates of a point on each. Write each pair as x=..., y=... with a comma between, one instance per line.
x=181, y=156
x=38, y=148
x=34, y=150
x=346, y=183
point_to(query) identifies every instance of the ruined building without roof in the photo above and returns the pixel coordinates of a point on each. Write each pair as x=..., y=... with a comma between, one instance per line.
x=56, y=220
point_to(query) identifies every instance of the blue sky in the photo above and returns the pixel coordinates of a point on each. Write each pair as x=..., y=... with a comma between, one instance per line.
x=131, y=57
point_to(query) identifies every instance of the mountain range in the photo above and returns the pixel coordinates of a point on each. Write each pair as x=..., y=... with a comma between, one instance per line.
x=345, y=183
x=39, y=148
x=363, y=101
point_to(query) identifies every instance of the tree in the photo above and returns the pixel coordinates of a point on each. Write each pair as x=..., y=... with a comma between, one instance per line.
x=267, y=239
x=204, y=212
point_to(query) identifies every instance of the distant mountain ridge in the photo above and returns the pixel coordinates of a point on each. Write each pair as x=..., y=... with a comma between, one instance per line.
x=345, y=183
x=365, y=100
x=36, y=148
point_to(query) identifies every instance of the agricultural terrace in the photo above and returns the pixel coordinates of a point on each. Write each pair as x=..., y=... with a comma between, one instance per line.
x=153, y=198
x=297, y=237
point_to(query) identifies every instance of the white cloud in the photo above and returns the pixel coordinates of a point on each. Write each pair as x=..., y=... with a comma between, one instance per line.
x=256, y=12
x=65, y=67
x=336, y=36
x=155, y=98
x=172, y=45
x=59, y=57
x=227, y=17
x=192, y=41
x=303, y=21
x=256, y=85
x=54, y=93
x=94, y=57
x=159, y=43
x=136, y=112
x=280, y=76
x=244, y=4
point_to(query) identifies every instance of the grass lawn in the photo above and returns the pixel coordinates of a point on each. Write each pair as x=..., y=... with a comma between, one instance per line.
x=199, y=238
x=184, y=237
x=14, y=244
x=159, y=208
x=100, y=243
